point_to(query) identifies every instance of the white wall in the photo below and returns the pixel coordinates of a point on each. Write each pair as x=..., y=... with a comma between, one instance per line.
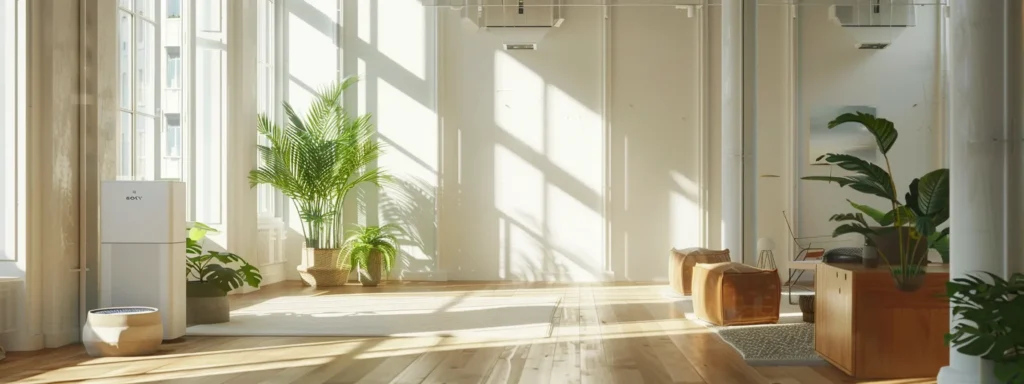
x=900, y=81
x=391, y=46
x=516, y=141
x=522, y=196
x=655, y=146
x=535, y=176
x=528, y=181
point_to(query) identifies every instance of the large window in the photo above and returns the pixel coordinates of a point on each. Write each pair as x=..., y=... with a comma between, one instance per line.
x=266, y=89
x=12, y=89
x=137, y=139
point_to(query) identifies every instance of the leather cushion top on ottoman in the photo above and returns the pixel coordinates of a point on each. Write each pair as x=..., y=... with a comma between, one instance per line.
x=681, y=262
x=734, y=293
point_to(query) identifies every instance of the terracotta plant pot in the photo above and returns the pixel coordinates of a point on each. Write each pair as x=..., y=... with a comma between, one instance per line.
x=371, y=276
x=205, y=303
x=327, y=269
x=122, y=331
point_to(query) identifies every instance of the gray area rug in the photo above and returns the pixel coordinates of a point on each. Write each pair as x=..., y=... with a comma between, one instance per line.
x=790, y=342
x=773, y=344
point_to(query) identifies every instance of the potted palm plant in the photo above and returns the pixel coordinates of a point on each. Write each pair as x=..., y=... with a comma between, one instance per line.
x=990, y=323
x=372, y=249
x=903, y=234
x=210, y=277
x=316, y=161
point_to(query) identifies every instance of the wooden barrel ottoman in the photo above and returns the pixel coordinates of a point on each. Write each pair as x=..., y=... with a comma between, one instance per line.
x=736, y=294
x=123, y=331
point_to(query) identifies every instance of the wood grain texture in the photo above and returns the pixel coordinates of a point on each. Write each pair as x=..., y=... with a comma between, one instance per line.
x=604, y=333
x=870, y=329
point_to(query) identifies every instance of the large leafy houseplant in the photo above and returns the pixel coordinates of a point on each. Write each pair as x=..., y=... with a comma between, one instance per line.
x=991, y=324
x=915, y=220
x=373, y=249
x=214, y=269
x=316, y=161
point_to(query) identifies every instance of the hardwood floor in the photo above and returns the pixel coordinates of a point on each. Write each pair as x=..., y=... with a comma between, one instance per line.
x=615, y=333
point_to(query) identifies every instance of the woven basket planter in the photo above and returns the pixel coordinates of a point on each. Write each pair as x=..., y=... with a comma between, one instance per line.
x=327, y=269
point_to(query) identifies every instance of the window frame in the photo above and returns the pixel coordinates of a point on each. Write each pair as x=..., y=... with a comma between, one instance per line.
x=134, y=111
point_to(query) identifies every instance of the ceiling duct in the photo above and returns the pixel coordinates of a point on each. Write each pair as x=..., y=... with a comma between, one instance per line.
x=873, y=23
x=520, y=23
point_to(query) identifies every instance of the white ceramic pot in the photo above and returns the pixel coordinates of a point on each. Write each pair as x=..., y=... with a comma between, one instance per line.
x=123, y=331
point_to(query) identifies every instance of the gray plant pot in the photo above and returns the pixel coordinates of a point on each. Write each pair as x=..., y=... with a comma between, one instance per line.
x=206, y=303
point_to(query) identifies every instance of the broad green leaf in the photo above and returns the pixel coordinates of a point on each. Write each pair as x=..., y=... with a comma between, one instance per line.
x=883, y=130
x=199, y=231
x=870, y=178
x=939, y=241
x=874, y=214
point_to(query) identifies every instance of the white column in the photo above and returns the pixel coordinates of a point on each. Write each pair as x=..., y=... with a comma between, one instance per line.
x=979, y=154
x=241, y=213
x=1015, y=104
x=732, y=127
x=749, y=186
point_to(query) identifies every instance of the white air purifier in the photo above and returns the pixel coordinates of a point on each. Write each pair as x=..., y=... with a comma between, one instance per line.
x=142, y=261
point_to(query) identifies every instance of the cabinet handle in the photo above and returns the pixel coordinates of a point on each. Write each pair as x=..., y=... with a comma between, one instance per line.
x=840, y=291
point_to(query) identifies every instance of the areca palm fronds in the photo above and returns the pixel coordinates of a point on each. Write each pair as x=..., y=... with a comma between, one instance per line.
x=318, y=160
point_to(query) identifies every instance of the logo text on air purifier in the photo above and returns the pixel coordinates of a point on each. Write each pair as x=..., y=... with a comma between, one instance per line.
x=133, y=197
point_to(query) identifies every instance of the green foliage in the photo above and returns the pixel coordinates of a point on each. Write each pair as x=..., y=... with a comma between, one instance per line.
x=318, y=160
x=363, y=240
x=202, y=267
x=925, y=209
x=883, y=130
x=990, y=323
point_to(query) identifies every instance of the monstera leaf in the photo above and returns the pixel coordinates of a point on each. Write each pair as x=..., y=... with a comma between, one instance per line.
x=213, y=267
x=991, y=329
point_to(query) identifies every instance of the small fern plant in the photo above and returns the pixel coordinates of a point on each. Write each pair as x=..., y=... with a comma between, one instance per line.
x=215, y=267
x=364, y=241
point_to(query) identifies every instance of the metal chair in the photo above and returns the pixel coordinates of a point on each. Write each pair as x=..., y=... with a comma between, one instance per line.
x=806, y=259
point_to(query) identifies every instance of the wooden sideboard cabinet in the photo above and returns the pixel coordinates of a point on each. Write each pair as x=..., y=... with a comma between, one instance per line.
x=871, y=330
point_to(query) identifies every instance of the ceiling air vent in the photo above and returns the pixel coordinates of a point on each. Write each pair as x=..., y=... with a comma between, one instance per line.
x=520, y=23
x=874, y=24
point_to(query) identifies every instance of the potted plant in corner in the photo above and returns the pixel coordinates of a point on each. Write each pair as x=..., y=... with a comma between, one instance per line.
x=316, y=162
x=902, y=236
x=210, y=278
x=990, y=323
x=372, y=249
